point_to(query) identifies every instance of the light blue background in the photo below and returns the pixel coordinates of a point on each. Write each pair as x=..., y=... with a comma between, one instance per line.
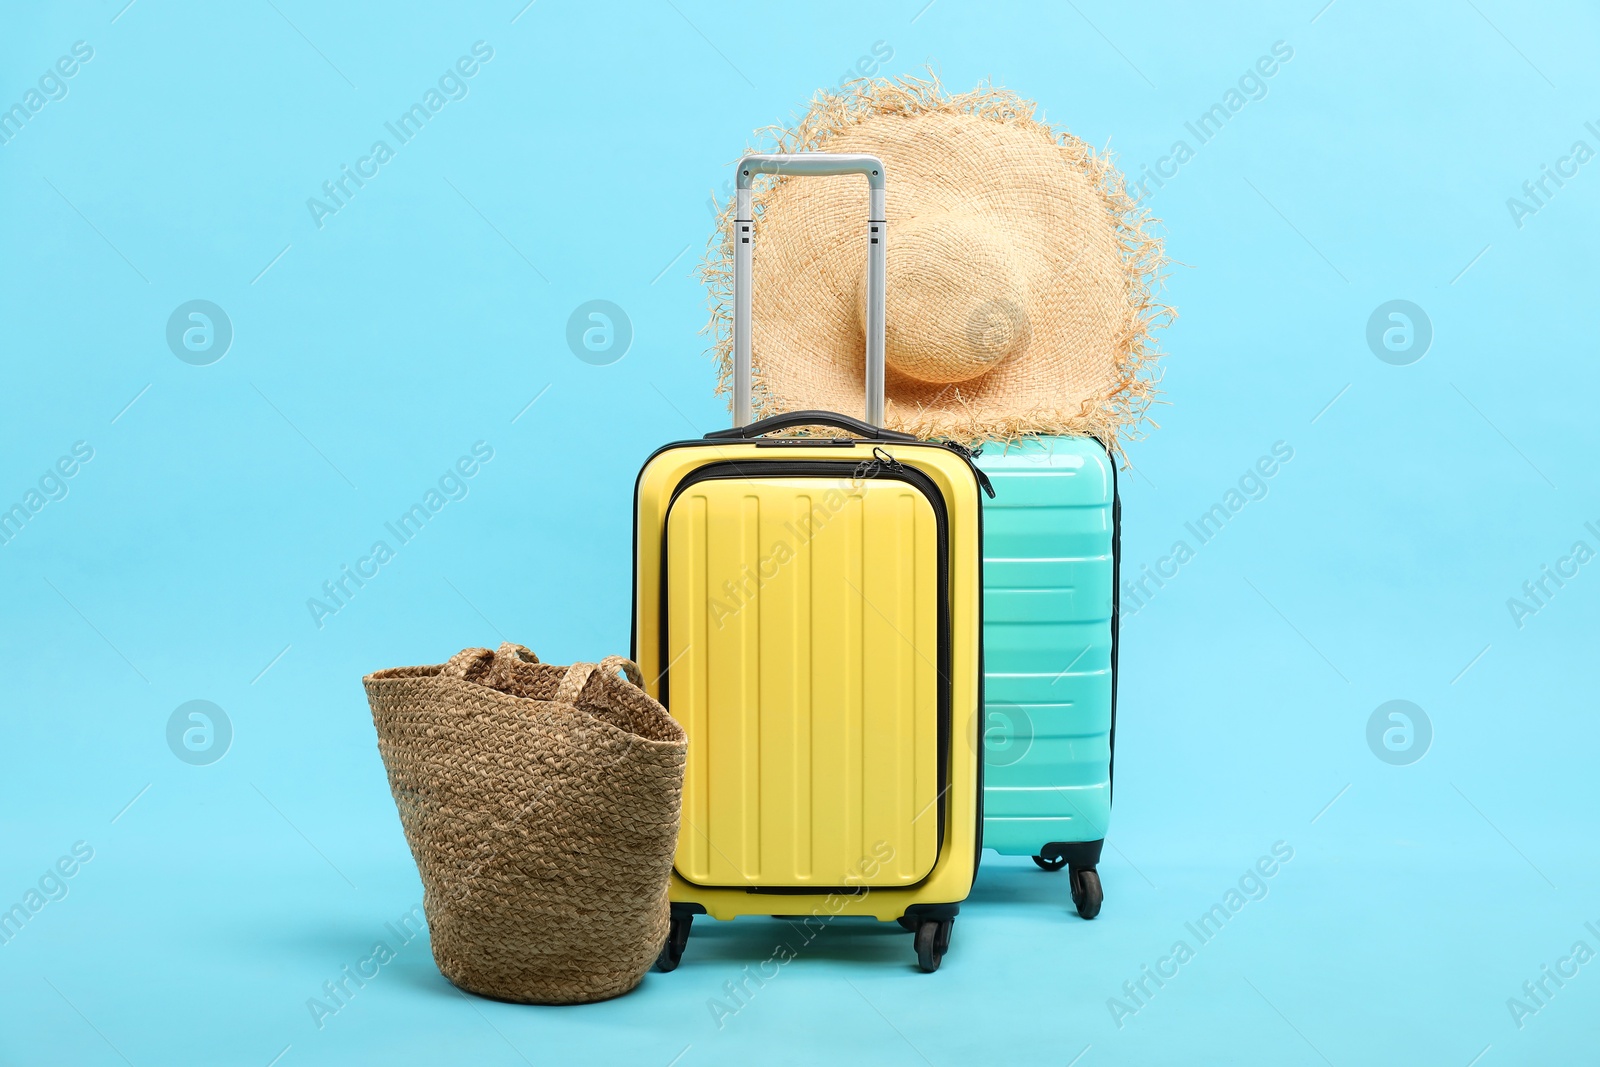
x=426, y=315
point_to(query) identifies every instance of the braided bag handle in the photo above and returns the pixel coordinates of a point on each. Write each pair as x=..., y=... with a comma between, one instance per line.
x=578, y=675
x=493, y=669
x=485, y=667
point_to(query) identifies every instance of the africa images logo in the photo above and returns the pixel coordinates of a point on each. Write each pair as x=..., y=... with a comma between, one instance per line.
x=452, y=485
x=199, y=332
x=51, y=87
x=452, y=85
x=599, y=332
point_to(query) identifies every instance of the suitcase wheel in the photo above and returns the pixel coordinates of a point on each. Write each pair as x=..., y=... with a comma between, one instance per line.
x=1086, y=891
x=677, y=938
x=932, y=942
x=1050, y=865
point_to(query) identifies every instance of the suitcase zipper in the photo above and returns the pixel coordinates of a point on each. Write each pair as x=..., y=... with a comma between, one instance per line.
x=969, y=454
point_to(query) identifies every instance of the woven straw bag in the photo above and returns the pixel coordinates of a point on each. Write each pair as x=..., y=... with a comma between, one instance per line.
x=541, y=805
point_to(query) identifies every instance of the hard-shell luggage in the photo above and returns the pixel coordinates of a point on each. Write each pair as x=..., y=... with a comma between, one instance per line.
x=1050, y=648
x=809, y=608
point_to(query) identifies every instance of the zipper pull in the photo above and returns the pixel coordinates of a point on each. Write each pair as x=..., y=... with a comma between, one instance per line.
x=983, y=480
x=882, y=460
x=968, y=454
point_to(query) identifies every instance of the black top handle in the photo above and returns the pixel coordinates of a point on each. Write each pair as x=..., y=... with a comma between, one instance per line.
x=791, y=419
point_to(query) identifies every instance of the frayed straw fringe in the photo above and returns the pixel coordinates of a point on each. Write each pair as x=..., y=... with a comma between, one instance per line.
x=1122, y=413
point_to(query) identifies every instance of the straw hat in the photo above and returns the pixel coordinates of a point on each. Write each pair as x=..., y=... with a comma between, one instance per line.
x=1020, y=273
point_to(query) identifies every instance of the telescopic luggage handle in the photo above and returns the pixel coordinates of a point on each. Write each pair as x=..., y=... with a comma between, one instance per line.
x=808, y=163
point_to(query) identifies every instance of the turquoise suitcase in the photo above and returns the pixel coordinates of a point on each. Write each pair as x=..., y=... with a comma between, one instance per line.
x=1050, y=654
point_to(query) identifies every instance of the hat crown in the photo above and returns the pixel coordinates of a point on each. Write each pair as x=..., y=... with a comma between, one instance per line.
x=956, y=299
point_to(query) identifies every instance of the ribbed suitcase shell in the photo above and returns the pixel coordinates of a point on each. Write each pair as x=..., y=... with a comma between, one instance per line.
x=814, y=719
x=808, y=684
x=1049, y=643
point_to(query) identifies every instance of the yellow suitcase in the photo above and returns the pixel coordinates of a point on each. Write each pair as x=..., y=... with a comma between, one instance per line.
x=809, y=608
